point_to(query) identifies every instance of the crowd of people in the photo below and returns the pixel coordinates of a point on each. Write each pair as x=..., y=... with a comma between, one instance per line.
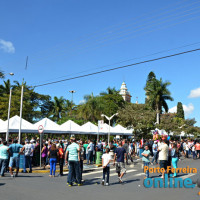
x=74, y=152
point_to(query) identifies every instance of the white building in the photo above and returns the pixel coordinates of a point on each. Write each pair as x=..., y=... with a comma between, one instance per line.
x=125, y=93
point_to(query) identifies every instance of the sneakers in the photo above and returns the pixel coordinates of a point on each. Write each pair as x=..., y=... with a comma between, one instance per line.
x=120, y=179
x=107, y=184
x=80, y=184
x=12, y=176
x=102, y=182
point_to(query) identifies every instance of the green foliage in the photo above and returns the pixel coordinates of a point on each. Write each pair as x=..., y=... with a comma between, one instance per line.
x=158, y=94
x=170, y=123
x=35, y=106
x=94, y=106
x=140, y=117
x=1, y=74
x=180, y=111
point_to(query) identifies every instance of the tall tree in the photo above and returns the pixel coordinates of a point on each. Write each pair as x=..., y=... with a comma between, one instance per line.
x=158, y=94
x=91, y=109
x=151, y=77
x=180, y=111
x=58, y=108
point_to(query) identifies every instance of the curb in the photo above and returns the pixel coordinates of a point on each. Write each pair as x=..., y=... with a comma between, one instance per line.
x=42, y=171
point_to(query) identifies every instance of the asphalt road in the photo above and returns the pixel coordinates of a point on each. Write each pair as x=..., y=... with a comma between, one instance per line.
x=42, y=187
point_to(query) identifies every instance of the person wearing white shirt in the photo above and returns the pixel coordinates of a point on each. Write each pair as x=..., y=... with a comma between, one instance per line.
x=106, y=158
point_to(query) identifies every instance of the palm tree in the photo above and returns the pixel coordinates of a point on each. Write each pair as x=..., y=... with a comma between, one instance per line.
x=1, y=74
x=109, y=90
x=158, y=94
x=5, y=89
x=91, y=109
x=58, y=108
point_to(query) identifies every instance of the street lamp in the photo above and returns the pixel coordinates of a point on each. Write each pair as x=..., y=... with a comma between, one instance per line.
x=72, y=91
x=11, y=74
x=9, y=104
x=109, y=119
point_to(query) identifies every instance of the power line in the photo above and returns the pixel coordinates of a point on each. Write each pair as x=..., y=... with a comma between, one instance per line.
x=124, y=33
x=121, y=67
x=123, y=61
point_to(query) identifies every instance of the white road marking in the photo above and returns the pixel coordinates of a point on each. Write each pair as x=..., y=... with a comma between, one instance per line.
x=115, y=174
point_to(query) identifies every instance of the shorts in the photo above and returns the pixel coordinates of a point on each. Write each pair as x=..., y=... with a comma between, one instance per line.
x=120, y=167
x=14, y=161
x=163, y=164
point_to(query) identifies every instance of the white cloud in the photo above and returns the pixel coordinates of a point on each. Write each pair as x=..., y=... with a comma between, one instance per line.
x=188, y=109
x=82, y=101
x=7, y=46
x=195, y=93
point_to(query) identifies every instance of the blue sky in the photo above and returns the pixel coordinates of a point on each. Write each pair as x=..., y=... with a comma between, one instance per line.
x=66, y=37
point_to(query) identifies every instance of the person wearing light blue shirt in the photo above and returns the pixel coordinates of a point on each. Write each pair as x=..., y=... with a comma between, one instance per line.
x=3, y=158
x=145, y=159
x=73, y=158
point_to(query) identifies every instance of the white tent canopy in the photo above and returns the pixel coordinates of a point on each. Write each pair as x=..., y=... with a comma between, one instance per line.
x=49, y=126
x=69, y=127
x=14, y=123
x=89, y=128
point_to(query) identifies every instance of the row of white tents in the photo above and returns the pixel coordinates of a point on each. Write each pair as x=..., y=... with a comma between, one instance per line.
x=69, y=127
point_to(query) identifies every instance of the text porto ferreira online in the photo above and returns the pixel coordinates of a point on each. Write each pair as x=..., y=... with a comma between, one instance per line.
x=169, y=182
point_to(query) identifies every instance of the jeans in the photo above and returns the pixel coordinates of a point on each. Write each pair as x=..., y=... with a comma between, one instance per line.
x=147, y=172
x=86, y=155
x=106, y=171
x=174, y=163
x=53, y=162
x=74, y=167
x=3, y=164
x=138, y=151
x=194, y=155
x=28, y=162
x=155, y=157
x=90, y=157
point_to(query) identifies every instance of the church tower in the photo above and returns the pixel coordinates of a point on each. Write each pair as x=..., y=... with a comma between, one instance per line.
x=125, y=93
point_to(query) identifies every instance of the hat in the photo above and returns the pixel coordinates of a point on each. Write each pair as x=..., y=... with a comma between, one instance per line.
x=72, y=138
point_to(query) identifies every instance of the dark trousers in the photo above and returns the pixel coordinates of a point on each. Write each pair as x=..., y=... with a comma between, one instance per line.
x=81, y=169
x=74, y=168
x=194, y=155
x=186, y=154
x=106, y=171
x=28, y=162
x=3, y=164
x=90, y=157
x=61, y=162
